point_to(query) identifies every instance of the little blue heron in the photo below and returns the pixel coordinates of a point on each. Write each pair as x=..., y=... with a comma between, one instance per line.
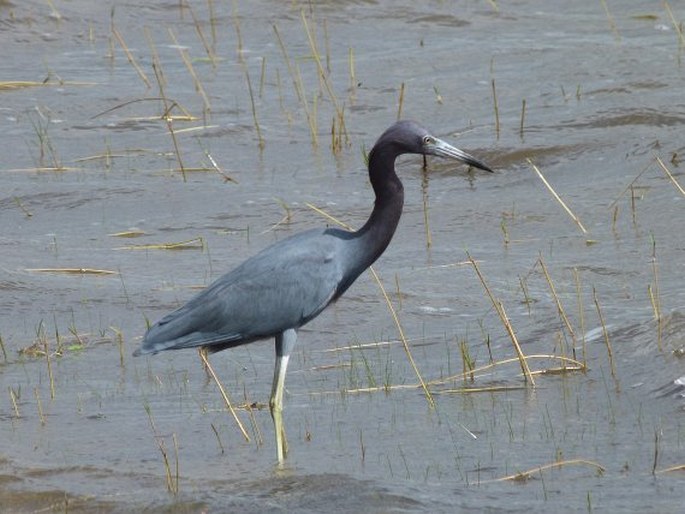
x=289, y=283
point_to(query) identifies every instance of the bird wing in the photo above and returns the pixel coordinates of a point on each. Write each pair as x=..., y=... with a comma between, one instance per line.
x=284, y=286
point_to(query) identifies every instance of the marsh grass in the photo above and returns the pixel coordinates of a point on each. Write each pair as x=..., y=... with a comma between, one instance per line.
x=185, y=57
x=499, y=308
x=238, y=32
x=73, y=271
x=671, y=469
x=468, y=362
x=202, y=352
x=172, y=478
x=129, y=234
x=653, y=291
x=13, y=85
x=211, y=56
x=120, y=344
x=3, y=350
x=219, y=169
x=46, y=150
x=495, y=105
x=670, y=175
x=523, y=476
x=250, y=407
x=678, y=27
x=14, y=399
x=556, y=196
x=39, y=406
x=51, y=377
x=557, y=301
x=400, y=102
x=339, y=121
x=166, y=116
x=523, y=117
x=298, y=86
x=285, y=220
x=197, y=243
x=22, y=207
x=353, y=76
x=607, y=342
x=131, y=59
x=479, y=373
x=581, y=314
x=392, y=310
x=260, y=138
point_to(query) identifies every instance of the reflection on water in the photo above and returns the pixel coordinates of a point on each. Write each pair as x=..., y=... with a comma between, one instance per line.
x=88, y=156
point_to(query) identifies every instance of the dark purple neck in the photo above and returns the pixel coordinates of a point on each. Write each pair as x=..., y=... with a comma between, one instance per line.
x=374, y=237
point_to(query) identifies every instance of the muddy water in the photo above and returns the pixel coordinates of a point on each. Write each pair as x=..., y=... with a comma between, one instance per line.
x=603, y=99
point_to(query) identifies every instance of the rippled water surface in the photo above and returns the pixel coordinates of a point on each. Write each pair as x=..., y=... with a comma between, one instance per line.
x=592, y=98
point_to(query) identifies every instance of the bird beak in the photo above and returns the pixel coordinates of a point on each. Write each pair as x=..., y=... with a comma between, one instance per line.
x=439, y=147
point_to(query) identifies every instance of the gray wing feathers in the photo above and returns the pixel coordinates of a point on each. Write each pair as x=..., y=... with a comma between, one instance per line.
x=282, y=287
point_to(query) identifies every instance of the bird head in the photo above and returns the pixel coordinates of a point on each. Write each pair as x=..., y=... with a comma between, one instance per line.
x=407, y=136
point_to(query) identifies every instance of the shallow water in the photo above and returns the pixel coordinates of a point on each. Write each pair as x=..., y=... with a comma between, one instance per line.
x=602, y=102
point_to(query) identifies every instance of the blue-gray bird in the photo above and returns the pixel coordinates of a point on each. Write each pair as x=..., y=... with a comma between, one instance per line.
x=290, y=282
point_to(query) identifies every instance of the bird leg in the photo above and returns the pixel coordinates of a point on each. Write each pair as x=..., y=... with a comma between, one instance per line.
x=285, y=342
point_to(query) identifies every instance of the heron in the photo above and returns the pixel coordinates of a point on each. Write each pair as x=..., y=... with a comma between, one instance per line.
x=289, y=283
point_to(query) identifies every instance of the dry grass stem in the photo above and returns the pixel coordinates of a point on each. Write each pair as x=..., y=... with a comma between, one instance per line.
x=250, y=408
x=679, y=467
x=49, y=363
x=670, y=176
x=526, y=475
x=505, y=321
x=203, y=355
x=197, y=243
x=260, y=138
x=15, y=405
x=210, y=54
x=353, y=78
x=169, y=121
x=129, y=234
x=169, y=104
x=3, y=349
x=557, y=301
x=557, y=197
x=324, y=76
x=11, y=85
x=130, y=58
x=236, y=24
x=396, y=319
x=172, y=486
x=400, y=102
x=581, y=314
x=654, y=297
x=219, y=170
x=39, y=404
x=189, y=65
x=288, y=64
x=610, y=18
x=496, y=107
x=605, y=333
x=73, y=271
x=677, y=26
x=286, y=219
x=568, y=365
x=629, y=187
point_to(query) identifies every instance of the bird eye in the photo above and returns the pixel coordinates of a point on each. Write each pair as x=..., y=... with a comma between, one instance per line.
x=427, y=140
